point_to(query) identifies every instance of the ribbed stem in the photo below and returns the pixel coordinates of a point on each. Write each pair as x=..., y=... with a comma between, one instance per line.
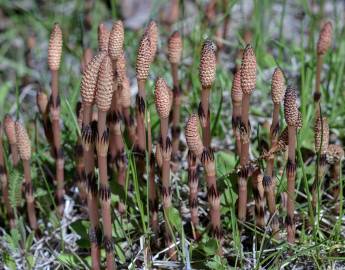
x=258, y=192
x=141, y=139
x=129, y=124
x=291, y=175
x=245, y=140
x=236, y=121
x=193, y=182
x=175, y=111
x=4, y=185
x=317, y=93
x=14, y=154
x=335, y=170
x=55, y=114
x=104, y=190
x=319, y=175
x=30, y=201
x=205, y=119
x=153, y=201
x=92, y=197
x=269, y=180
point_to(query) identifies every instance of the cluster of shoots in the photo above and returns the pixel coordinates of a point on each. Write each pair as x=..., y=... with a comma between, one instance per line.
x=105, y=120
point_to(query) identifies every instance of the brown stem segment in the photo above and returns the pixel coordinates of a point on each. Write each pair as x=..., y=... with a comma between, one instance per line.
x=243, y=176
x=269, y=179
x=92, y=197
x=129, y=123
x=291, y=175
x=104, y=190
x=213, y=195
x=193, y=182
x=14, y=154
x=166, y=189
x=317, y=93
x=175, y=111
x=30, y=201
x=4, y=185
x=141, y=133
x=55, y=115
x=258, y=192
x=236, y=124
x=335, y=170
x=321, y=168
x=153, y=200
x=204, y=115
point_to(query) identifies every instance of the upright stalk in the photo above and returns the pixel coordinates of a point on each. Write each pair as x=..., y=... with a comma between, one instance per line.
x=103, y=101
x=335, y=154
x=291, y=114
x=323, y=44
x=213, y=195
x=193, y=182
x=163, y=106
x=291, y=178
x=244, y=158
x=30, y=200
x=174, y=56
x=9, y=127
x=87, y=90
x=4, y=185
x=207, y=75
x=321, y=136
x=236, y=98
x=24, y=147
x=248, y=83
x=88, y=140
x=277, y=92
x=54, y=58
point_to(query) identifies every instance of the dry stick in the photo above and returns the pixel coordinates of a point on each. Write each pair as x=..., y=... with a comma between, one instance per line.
x=323, y=44
x=163, y=103
x=54, y=58
x=103, y=101
x=236, y=98
x=10, y=131
x=248, y=82
x=174, y=56
x=321, y=133
x=335, y=154
x=277, y=92
x=87, y=89
x=24, y=149
x=4, y=185
x=207, y=75
x=193, y=182
x=292, y=118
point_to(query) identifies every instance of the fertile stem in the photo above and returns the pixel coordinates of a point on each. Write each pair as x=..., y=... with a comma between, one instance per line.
x=204, y=115
x=243, y=177
x=317, y=93
x=30, y=200
x=175, y=111
x=55, y=115
x=291, y=178
x=104, y=190
x=92, y=197
x=193, y=182
x=4, y=185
